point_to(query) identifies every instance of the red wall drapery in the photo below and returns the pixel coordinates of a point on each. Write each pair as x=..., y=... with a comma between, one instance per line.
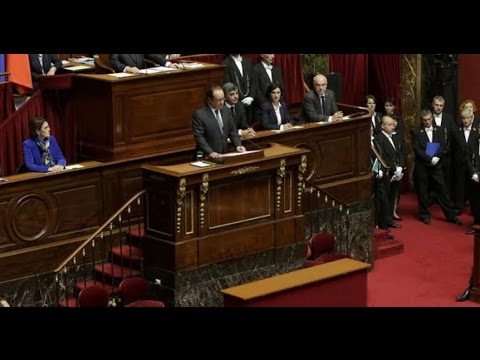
x=352, y=68
x=384, y=79
x=7, y=105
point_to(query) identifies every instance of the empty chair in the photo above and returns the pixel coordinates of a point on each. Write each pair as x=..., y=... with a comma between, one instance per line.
x=93, y=296
x=134, y=292
x=322, y=243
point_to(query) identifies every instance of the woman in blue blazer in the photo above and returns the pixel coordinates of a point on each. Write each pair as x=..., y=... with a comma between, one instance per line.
x=274, y=111
x=40, y=151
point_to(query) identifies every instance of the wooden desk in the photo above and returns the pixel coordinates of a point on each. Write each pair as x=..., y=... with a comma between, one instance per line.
x=45, y=215
x=337, y=283
x=339, y=159
x=120, y=118
x=199, y=216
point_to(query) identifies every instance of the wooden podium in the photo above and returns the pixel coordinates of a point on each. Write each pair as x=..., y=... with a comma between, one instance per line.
x=122, y=118
x=196, y=217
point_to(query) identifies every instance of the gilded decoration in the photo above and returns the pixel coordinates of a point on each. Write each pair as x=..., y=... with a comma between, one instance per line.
x=203, y=198
x=182, y=189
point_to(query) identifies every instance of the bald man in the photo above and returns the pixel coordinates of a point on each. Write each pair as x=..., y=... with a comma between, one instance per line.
x=319, y=104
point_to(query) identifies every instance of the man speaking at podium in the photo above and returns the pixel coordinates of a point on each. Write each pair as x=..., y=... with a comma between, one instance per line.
x=213, y=125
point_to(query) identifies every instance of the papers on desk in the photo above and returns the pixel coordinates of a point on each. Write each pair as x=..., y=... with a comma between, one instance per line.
x=293, y=127
x=200, y=164
x=121, y=75
x=192, y=65
x=74, y=166
x=3, y=179
x=65, y=62
x=77, y=67
x=155, y=70
x=233, y=154
x=83, y=60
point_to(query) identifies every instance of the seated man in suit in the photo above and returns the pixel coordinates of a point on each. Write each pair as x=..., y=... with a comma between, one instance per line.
x=237, y=109
x=132, y=63
x=43, y=65
x=213, y=126
x=319, y=104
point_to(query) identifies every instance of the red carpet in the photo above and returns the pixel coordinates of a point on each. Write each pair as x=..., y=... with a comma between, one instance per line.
x=435, y=266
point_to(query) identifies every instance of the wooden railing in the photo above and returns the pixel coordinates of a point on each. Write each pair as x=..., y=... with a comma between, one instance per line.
x=326, y=213
x=89, y=262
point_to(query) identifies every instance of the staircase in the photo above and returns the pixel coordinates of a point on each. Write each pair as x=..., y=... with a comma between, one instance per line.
x=385, y=247
x=324, y=215
x=110, y=255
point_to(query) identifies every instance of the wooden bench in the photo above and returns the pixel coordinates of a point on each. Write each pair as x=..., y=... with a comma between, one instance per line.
x=337, y=283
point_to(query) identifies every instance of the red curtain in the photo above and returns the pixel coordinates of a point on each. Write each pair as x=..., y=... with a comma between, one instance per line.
x=14, y=130
x=353, y=71
x=384, y=79
x=7, y=105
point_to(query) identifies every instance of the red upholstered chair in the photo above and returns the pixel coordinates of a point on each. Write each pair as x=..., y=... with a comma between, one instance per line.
x=323, y=259
x=93, y=296
x=308, y=251
x=322, y=243
x=134, y=291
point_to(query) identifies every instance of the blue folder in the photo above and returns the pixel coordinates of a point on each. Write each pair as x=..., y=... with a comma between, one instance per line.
x=432, y=148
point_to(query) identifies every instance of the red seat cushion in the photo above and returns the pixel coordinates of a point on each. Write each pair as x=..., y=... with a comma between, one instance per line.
x=146, y=303
x=322, y=243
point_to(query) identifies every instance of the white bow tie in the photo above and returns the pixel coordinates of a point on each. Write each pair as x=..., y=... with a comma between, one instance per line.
x=466, y=129
x=429, y=130
x=239, y=58
x=270, y=67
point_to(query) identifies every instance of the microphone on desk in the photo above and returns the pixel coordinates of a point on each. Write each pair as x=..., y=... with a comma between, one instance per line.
x=254, y=144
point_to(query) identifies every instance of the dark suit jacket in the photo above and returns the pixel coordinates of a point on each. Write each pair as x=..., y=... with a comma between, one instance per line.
x=378, y=123
x=461, y=147
x=269, y=119
x=473, y=164
x=240, y=119
x=32, y=156
x=261, y=82
x=48, y=60
x=207, y=133
x=120, y=61
x=311, y=109
x=420, y=141
x=233, y=75
x=393, y=157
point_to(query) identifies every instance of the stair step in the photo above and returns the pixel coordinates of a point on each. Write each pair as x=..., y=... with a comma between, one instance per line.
x=115, y=271
x=110, y=289
x=386, y=248
x=70, y=302
x=127, y=252
x=136, y=235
